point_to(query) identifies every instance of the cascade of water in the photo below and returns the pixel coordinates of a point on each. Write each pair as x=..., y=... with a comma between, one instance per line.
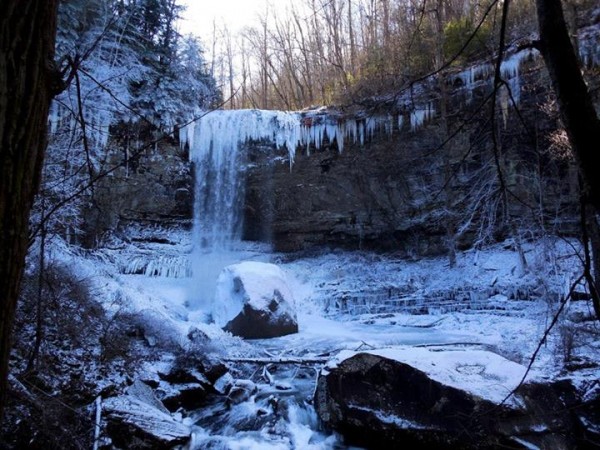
x=216, y=142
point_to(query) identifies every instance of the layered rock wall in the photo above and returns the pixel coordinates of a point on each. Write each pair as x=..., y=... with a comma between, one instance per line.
x=154, y=188
x=424, y=189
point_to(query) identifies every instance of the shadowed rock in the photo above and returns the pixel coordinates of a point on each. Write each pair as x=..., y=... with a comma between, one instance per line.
x=434, y=398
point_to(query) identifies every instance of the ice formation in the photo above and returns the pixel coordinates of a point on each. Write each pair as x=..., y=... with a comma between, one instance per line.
x=216, y=143
x=589, y=47
x=97, y=123
x=219, y=130
x=420, y=115
x=163, y=266
x=509, y=71
x=471, y=75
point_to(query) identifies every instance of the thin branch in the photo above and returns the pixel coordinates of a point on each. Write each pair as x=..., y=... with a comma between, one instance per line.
x=82, y=124
x=498, y=83
x=289, y=360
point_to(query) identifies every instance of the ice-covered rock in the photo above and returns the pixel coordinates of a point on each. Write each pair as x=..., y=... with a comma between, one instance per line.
x=133, y=423
x=241, y=391
x=441, y=398
x=145, y=394
x=253, y=300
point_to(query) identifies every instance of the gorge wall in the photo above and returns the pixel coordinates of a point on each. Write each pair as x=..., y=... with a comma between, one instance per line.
x=419, y=172
x=424, y=189
x=152, y=188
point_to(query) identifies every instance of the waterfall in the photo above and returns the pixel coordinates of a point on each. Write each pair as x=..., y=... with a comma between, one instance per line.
x=217, y=141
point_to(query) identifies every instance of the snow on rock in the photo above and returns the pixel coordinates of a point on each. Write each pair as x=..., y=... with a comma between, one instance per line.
x=253, y=300
x=143, y=392
x=133, y=423
x=468, y=369
x=422, y=396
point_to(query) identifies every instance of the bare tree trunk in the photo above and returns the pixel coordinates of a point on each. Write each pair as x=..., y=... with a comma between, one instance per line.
x=230, y=56
x=307, y=73
x=574, y=100
x=576, y=111
x=385, y=9
x=244, y=102
x=264, y=65
x=28, y=81
x=39, y=314
x=351, y=40
x=213, y=56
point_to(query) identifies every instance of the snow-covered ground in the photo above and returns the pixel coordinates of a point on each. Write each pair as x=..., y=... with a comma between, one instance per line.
x=349, y=301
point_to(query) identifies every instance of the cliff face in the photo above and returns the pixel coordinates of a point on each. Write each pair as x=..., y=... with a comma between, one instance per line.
x=428, y=179
x=426, y=189
x=154, y=188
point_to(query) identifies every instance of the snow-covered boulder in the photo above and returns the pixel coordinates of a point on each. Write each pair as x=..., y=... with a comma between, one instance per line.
x=441, y=398
x=132, y=423
x=253, y=300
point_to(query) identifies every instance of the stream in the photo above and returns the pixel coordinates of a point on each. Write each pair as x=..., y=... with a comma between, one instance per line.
x=273, y=407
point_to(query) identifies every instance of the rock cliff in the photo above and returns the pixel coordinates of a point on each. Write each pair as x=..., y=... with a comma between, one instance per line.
x=429, y=187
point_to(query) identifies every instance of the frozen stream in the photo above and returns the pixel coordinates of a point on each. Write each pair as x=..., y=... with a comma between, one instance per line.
x=276, y=411
x=502, y=310
x=280, y=415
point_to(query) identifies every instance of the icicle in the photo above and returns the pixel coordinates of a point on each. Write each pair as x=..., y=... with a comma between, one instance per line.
x=389, y=124
x=350, y=130
x=509, y=70
x=469, y=77
x=186, y=135
x=419, y=116
x=589, y=48
x=370, y=124
x=53, y=118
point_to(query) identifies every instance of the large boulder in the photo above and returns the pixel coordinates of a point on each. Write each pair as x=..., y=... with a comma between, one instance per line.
x=134, y=423
x=253, y=300
x=439, y=398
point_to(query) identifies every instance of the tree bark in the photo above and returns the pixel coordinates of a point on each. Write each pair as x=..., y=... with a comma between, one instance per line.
x=577, y=113
x=28, y=81
x=574, y=100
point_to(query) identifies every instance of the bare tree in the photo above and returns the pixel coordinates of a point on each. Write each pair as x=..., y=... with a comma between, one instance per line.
x=28, y=81
x=577, y=113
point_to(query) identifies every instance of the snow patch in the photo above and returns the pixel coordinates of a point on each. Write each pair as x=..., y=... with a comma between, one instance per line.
x=391, y=419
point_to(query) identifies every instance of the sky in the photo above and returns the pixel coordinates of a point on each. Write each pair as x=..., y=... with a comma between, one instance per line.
x=235, y=14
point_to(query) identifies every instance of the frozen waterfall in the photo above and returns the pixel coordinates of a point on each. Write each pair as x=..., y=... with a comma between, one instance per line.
x=216, y=142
